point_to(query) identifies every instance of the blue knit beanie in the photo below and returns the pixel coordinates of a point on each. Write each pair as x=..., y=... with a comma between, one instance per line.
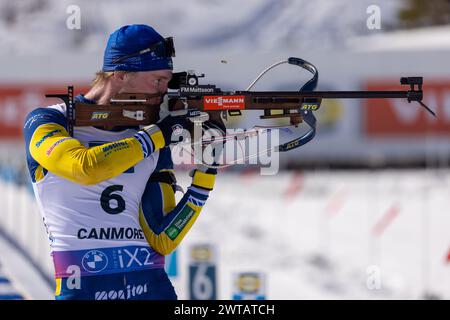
x=125, y=44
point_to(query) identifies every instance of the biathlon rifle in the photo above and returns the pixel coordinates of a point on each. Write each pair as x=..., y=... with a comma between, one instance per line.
x=129, y=109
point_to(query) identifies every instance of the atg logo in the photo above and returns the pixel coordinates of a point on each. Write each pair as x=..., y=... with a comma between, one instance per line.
x=94, y=261
x=310, y=106
x=99, y=115
x=177, y=129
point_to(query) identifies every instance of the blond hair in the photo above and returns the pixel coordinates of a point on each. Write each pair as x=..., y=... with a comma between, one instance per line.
x=101, y=76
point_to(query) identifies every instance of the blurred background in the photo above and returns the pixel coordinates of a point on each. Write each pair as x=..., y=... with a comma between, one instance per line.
x=360, y=212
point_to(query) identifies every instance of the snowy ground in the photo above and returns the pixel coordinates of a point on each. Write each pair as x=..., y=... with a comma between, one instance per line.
x=313, y=234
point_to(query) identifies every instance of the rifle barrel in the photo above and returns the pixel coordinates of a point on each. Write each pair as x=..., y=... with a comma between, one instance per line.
x=331, y=94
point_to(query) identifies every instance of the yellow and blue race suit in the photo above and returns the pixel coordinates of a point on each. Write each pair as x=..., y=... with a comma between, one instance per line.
x=109, y=223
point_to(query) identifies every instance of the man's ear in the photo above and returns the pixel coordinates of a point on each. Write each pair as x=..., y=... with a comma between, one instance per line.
x=118, y=80
x=119, y=76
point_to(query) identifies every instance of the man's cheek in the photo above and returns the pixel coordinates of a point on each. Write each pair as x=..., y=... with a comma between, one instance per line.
x=155, y=101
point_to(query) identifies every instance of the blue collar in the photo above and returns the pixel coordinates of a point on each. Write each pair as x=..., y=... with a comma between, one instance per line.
x=82, y=99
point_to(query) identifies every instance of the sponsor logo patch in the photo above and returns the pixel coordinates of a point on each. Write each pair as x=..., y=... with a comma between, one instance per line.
x=94, y=261
x=180, y=222
x=224, y=102
x=177, y=129
x=130, y=292
x=49, y=150
x=116, y=146
x=310, y=106
x=33, y=119
x=111, y=233
x=48, y=135
x=99, y=115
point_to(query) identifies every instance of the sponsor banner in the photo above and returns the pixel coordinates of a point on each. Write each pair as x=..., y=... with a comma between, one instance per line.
x=17, y=100
x=106, y=260
x=397, y=118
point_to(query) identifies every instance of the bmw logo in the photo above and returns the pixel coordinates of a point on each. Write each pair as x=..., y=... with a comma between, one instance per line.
x=177, y=129
x=94, y=261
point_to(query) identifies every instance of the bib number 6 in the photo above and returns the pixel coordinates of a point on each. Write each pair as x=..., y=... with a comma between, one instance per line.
x=111, y=202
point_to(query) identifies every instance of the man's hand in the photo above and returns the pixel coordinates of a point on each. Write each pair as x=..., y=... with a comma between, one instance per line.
x=215, y=132
x=203, y=176
x=167, y=131
x=174, y=127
